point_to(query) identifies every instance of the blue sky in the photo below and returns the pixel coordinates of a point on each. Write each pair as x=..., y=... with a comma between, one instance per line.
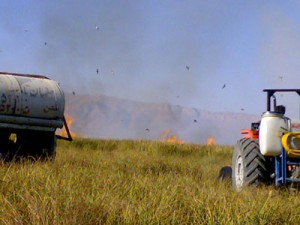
x=142, y=49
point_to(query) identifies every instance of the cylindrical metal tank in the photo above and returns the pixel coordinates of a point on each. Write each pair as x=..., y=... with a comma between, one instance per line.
x=32, y=98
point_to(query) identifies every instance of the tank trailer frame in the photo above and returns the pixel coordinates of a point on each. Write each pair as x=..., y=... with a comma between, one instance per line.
x=31, y=108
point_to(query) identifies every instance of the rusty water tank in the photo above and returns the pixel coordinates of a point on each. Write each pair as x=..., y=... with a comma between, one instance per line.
x=30, y=100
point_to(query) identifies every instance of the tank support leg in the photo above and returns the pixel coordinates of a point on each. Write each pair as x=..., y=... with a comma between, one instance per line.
x=277, y=170
x=283, y=166
x=280, y=168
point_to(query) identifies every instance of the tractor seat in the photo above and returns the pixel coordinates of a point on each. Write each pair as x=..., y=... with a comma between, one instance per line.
x=291, y=143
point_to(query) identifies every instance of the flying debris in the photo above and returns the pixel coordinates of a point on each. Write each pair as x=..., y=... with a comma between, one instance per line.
x=195, y=121
x=224, y=85
x=147, y=129
x=97, y=28
x=187, y=67
x=45, y=43
x=97, y=71
x=242, y=109
x=73, y=92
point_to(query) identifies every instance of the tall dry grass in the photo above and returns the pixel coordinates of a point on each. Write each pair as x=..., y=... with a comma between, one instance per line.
x=136, y=182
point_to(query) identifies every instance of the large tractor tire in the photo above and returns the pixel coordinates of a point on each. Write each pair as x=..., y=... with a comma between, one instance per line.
x=249, y=166
x=47, y=147
x=36, y=145
x=6, y=146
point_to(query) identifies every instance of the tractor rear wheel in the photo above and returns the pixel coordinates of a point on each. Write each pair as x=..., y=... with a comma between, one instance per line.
x=249, y=166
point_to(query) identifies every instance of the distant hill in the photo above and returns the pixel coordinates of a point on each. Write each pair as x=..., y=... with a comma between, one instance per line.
x=99, y=116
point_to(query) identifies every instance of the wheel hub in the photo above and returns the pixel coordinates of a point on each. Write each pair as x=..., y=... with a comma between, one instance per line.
x=239, y=172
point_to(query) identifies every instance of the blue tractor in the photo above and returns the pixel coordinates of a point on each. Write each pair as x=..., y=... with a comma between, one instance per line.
x=269, y=152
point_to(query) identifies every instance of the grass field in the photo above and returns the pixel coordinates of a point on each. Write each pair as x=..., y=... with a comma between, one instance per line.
x=136, y=182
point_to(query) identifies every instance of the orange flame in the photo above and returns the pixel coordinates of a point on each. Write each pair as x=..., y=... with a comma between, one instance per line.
x=174, y=140
x=211, y=141
x=164, y=134
x=70, y=121
x=168, y=138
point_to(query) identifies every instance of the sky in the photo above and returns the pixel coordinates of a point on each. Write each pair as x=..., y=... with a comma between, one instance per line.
x=216, y=55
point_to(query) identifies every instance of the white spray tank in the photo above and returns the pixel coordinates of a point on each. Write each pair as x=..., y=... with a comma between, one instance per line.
x=272, y=127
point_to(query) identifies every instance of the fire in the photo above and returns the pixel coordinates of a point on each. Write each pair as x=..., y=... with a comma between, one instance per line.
x=164, y=134
x=174, y=140
x=70, y=121
x=168, y=138
x=211, y=141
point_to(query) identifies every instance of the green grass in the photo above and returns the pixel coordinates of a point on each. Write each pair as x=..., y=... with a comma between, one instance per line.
x=136, y=182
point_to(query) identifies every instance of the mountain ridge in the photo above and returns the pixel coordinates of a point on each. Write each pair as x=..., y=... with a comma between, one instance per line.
x=101, y=116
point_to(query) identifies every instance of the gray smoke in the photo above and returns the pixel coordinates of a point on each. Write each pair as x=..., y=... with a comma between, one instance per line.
x=148, y=54
x=167, y=52
x=101, y=116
